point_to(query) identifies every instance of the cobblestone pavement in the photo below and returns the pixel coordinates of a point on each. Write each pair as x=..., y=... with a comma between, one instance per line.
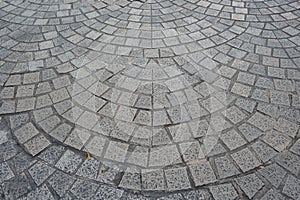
x=149, y=99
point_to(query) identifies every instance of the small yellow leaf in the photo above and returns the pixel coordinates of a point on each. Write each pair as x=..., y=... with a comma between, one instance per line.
x=104, y=170
x=89, y=156
x=261, y=167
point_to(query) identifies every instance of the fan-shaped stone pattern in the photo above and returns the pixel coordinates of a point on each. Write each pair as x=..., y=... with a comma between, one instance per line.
x=165, y=95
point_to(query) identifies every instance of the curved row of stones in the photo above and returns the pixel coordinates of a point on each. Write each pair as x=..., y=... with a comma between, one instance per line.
x=151, y=11
x=62, y=173
x=165, y=108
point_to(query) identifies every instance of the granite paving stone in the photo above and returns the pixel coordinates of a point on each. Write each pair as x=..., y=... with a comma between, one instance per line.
x=296, y=148
x=42, y=192
x=225, y=167
x=40, y=172
x=151, y=99
x=163, y=156
x=291, y=187
x=26, y=132
x=61, y=182
x=69, y=161
x=84, y=189
x=153, y=180
x=52, y=154
x=274, y=174
x=250, y=132
x=116, y=151
x=37, y=144
x=232, y=139
x=263, y=151
x=245, y=159
x=250, y=184
x=197, y=194
x=131, y=179
x=107, y=173
x=289, y=161
x=276, y=139
x=89, y=169
x=18, y=186
x=177, y=178
x=202, y=173
x=273, y=194
x=106, y=192
x=223, y=191
x=6, y=172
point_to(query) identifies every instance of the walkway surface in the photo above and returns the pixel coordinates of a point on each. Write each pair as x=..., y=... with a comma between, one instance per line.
x=149, y=99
